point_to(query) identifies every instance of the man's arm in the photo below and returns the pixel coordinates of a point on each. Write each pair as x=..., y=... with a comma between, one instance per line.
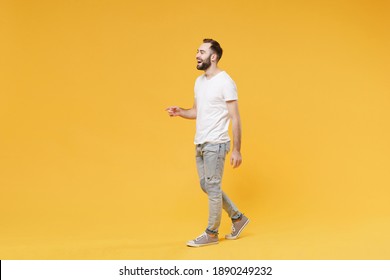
x=235, y=159
x=175, y=111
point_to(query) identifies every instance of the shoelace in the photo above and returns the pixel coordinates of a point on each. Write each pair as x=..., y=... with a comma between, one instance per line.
x=200, y=236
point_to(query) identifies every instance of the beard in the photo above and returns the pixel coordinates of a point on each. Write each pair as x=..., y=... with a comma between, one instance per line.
x=205, y=64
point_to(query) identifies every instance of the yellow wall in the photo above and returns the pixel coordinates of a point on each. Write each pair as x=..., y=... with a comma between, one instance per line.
x=87, y=151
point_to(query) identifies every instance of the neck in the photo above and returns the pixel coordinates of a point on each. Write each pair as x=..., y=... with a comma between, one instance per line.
x=212, y=71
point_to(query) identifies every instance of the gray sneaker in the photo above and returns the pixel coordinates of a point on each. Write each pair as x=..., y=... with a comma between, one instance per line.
x=237, y=227
x=203, y=240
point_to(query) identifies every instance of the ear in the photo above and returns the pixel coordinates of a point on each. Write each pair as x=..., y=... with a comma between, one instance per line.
x=214, y=57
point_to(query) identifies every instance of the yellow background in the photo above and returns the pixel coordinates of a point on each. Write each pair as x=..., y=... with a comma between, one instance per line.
x=92, y=167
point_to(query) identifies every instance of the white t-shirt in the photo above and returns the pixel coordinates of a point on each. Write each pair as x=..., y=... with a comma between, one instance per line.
x=212, y=120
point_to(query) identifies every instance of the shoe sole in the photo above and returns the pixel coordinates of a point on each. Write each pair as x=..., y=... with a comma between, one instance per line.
x=201, y=245
x=238, y=234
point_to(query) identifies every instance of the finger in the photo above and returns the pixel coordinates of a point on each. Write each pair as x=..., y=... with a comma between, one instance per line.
x=238, y=162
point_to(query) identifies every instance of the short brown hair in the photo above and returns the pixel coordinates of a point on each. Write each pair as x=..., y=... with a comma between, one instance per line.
x=215, y=47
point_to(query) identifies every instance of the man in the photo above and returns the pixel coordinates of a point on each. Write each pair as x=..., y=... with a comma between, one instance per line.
x=214, y=106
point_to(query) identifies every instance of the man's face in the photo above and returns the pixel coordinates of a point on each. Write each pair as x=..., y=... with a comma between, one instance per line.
x=203, y=57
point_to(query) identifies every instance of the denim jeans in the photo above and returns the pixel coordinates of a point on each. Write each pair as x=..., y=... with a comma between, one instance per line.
x=210, y=160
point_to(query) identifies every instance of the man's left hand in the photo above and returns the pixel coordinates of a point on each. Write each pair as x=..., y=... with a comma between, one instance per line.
x=235, y=159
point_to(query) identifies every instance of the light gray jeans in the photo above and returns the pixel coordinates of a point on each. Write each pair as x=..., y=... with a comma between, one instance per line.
x=210, y=161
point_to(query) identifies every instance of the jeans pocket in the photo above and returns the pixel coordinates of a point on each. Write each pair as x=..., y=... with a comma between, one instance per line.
x=211, y=147
x=224, y=149
x=198, y=150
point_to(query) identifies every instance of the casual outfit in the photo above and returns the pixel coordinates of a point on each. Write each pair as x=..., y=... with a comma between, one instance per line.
x=212, y=143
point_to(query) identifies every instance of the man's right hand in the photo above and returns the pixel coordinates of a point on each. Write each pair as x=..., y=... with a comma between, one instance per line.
x=173, y=111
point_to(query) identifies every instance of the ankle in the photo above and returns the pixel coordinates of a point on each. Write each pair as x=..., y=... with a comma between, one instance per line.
x=237, y=219
x=211, y=233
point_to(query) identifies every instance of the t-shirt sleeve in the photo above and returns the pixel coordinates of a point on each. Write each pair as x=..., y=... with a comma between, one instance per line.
x=230, y=91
